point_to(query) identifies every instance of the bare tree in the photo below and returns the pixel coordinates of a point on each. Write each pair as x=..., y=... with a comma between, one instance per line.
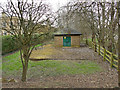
x=118, y=43
x=30, y=17
x=102, y=18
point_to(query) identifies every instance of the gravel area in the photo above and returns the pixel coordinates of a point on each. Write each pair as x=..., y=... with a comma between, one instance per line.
x=82, y=53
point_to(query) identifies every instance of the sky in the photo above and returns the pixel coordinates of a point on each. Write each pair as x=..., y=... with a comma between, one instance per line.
x=55, y=4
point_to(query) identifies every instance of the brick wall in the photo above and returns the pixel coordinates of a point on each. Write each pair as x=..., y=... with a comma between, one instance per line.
x=75, y=41
x=58, y=40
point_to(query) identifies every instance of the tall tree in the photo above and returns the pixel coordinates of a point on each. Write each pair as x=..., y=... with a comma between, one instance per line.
x=118, y=43
x=30, y=17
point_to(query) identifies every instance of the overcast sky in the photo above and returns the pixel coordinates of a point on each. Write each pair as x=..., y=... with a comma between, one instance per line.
x=55, y=4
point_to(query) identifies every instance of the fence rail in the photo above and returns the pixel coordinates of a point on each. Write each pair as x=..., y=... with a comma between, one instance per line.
x=107, y=55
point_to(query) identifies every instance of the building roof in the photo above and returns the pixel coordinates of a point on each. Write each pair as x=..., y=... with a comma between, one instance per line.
x=67, y=31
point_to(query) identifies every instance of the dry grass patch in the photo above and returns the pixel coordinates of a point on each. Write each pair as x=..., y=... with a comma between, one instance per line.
x=45, y=52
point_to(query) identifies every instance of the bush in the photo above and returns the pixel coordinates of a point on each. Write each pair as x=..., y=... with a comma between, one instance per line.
x=8, y=44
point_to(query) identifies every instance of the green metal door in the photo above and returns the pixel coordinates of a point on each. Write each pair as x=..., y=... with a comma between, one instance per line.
x=67, y=41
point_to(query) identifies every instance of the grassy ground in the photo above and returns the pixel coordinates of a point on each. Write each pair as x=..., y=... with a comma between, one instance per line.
x=12, y=67
x=12, y=62
x=65, y=67
x=92, y=72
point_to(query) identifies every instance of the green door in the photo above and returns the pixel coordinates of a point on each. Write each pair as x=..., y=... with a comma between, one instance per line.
x=67, y=41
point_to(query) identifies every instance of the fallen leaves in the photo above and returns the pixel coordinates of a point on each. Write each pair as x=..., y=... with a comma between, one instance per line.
x=4, y=80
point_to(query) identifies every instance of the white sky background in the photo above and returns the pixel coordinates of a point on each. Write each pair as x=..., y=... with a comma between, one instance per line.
x=55, y=4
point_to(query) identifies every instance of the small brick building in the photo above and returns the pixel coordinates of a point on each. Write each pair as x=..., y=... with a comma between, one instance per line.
x=67, y=38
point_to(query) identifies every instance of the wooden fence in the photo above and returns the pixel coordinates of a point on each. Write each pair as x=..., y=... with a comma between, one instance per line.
x=107, y=55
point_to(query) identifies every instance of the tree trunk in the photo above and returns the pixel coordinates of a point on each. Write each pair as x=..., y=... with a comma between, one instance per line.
x=25, y=68
x=86, y=39
x=119, y=43
x=110, y=46
x=103, y=25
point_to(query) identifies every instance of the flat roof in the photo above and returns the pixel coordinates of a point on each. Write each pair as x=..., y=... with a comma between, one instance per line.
x=67, y=34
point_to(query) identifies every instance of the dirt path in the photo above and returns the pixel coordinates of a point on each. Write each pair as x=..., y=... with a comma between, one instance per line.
x=82, y=53
x=105, y=79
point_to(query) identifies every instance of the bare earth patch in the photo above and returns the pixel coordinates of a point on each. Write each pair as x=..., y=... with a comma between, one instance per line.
x=52, y=53
x=104, y=79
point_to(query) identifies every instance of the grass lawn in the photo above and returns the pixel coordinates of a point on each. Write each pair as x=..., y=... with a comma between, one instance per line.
x=12, y=66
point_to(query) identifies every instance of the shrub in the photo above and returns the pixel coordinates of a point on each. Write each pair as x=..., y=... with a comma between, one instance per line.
x=8, y=44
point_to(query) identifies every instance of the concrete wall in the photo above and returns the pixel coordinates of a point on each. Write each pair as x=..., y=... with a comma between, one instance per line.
x=58, y=41
x=75, y=41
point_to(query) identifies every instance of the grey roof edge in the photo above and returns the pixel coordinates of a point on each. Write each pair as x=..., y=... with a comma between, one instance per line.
x=67, y=34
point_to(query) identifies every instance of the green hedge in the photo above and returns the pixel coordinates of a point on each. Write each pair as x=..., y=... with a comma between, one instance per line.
x=8, y=44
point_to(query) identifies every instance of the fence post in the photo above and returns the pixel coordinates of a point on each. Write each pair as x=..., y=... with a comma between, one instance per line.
x=95, y=48
x=99, y=50
x=104, y=54
x=93, y=45
x=111, y=60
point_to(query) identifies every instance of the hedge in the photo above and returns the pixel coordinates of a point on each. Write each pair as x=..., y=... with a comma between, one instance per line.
x=8, y=44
